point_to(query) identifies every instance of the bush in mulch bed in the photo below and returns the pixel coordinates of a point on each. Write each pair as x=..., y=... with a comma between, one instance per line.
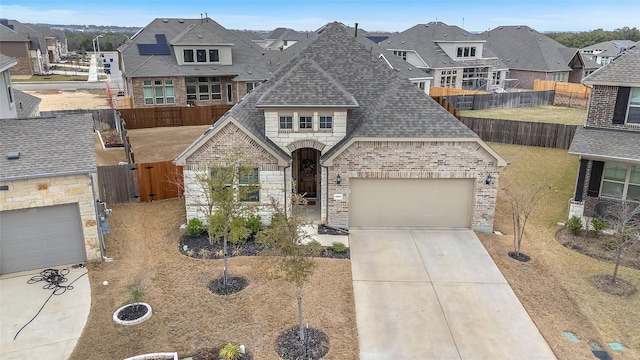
x=213, y=354
x=315, y=345
x=619, y=288
x=600, y=247
x=234, y=284
x=522, y=257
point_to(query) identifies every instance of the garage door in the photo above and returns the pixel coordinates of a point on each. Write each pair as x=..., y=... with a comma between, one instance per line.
x=40, y=237
x=411, y=202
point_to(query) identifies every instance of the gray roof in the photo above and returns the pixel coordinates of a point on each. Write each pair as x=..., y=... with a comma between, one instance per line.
x=47, y=146
x=6, y=62
x=610, y=48
x=9, y=35
x=606, y=144
x=36, y=39
x=282, y=33
x=245, y=55
x=27, y=104
x=389, y=105
x=623, y=70
x=523, y=48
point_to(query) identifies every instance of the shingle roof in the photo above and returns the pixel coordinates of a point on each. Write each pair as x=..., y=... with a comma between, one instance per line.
x=623, y=70
x=7, y=34
x=606, y=144
x=47, y=146
x=523, y=48
x=26, y=104
x=246, y=57
x=282, y=33
x=610, y=48
x=6, y=62
x=36, y=39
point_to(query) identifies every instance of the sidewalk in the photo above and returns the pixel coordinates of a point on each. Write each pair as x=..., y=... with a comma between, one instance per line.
x=93, y=69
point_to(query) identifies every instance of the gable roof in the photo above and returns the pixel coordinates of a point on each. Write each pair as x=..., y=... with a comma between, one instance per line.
x=9, y=35
x=283, y=33
x=35, y=38
x=202, y=33
x=606, y=144
x=609, y=48
x=44, y=146
x=523, y=48
x=306, y=85
x=7, y=62
x=390, y=107
x=624, y=70
x=26, y=103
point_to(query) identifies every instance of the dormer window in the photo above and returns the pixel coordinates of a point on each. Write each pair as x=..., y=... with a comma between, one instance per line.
x=201, y=55
x=188, y=55
x=286, y=122
x=326, y=122
x=467, y=51
x=306, y=122
x=214, y=55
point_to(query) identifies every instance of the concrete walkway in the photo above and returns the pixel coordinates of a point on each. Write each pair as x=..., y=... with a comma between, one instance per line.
x=55, y=331
x=93, y=69
x=436, y=294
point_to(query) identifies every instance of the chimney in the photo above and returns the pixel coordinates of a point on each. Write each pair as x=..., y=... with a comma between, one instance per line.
x=356, y=34
x=206, y=16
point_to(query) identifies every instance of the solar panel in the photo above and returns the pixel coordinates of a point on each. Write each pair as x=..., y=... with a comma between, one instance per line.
x=161, y=47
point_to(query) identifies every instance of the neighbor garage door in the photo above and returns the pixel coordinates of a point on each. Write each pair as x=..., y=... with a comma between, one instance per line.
x=40, y=237
x=411, y=202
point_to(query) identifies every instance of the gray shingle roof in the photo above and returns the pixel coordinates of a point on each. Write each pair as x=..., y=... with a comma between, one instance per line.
x=282, y=33
x=610, y=48
x=9, y=35
x=26, y=104
x=48, y=146
x=202, y=33
x=606, y=144
x=523, y=48
x=36, y=39
x=306, y=85
x=623, y=70
x=6, y=62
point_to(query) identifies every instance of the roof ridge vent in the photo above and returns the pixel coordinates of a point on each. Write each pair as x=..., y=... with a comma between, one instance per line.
x=181, y=21
x=165, y=20
x=13, y=155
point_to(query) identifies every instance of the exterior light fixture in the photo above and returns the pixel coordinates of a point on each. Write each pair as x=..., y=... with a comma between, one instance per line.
x=489, y=180
x=338, y=179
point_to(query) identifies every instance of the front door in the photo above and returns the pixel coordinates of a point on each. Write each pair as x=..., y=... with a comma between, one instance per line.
x=307, y=162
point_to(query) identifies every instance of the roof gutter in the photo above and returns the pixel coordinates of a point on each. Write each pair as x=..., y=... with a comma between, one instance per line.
x=43, y=175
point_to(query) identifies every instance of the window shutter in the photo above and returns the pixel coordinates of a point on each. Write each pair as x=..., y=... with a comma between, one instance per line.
x=622, y=101
x=580, y=183
x=596, y=177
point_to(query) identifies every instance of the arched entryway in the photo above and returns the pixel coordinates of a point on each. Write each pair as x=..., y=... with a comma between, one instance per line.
x=306, y=172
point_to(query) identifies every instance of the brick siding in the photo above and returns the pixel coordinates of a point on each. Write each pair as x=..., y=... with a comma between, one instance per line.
x=601, y=108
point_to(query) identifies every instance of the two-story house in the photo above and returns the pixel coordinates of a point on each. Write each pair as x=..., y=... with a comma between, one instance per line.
x=603, y=52
x=363, y=144
x=37, y=37
x=180, y=62
x=454, y=57
x=609, y=144
x=16, y=46
x=280, y=39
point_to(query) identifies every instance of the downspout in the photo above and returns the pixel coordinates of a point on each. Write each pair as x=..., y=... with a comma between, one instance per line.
x=326, y=196
x=284, y=177
x=98, y=219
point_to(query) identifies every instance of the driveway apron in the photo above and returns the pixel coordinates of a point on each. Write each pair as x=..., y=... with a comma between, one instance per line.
x=436, y=294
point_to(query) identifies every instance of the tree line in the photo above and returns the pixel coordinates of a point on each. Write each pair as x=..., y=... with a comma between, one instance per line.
x=79, y=41
x=587, y=38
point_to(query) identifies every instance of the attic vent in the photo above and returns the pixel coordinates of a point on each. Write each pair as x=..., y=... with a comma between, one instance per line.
x=445, y=35
x=199, y=36
x=426, y=25
x=518, y=27
x=165, y=20
x=13, y=155
x=403, y=42
x=539, y=39
x=501, y=27
x=180, y=21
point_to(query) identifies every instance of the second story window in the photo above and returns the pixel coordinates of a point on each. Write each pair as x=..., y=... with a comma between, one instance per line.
x=214, y=55
x=467, y=51
x=188, y=55
x=402, y=54
x=201, y=55
x=306, y=122
x=633, y=112
x=326, y=122
x=286, y=122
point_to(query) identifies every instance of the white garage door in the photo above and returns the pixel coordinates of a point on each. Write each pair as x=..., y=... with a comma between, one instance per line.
x=444, y=203
x=40, y=237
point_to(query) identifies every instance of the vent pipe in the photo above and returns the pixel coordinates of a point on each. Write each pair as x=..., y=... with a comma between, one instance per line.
x=356, y=32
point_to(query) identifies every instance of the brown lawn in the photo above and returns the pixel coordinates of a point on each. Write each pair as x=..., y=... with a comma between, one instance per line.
x=71, y=99
x=554, y=286
x=162, y=143
x=186, y=315
x=546, y=114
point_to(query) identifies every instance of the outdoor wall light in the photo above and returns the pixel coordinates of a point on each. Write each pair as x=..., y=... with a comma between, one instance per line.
x=489, y=179
x=338, y=179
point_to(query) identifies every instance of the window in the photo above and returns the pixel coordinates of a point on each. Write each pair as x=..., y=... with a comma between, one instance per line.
x=604, y=61
x=496, y=77
x=201, y=55
x=306, y=122
x=467, y=51
x=243, y=181
x=633, y=112
x=229, y=93
x=402, y=54
x=203, y=88
x=249, y=186
x=326, y=122
x=621, y=181
x=7, y=81
x=251, y=86
x=214, y=56
x=158, y=92
x=286, y=122
x=448, y=78
x=188, y=55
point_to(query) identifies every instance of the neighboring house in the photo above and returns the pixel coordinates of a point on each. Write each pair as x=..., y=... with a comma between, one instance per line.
x=180, y=62
x=47, y=193
x=38, y=51
x=27, y=105
x=609, y=143
x=454, y=57
x=16, y=46
x=531, y=55
x=280, y=39
x=602, y=53
x=8, y=109
x=358, y=140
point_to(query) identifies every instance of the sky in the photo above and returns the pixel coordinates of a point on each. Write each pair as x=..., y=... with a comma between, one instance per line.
x=372, y=15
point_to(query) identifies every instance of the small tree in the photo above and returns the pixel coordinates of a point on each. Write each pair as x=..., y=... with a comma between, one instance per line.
x=229, y=188
x=286, y=237
x=521, y=203
x=624, y=218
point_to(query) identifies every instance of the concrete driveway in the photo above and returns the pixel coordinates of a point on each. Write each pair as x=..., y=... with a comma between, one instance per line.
x=436, y=294
x=55, y=331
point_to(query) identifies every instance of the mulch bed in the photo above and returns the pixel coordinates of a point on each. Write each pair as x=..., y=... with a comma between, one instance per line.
x=522, y=257
x=620, y=287
x=315, y=346
x=212, y=354
x=600, y=247
x=132, y=312
x=234, y=284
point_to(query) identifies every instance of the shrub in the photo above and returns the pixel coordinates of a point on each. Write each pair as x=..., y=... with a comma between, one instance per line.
x=204, y=253
x=239, y=231
x=230, y=351
x=598, y=225
x=338, y=247
x=254, y=223
x=574, y=225
x=195, y=227
x=609, y=244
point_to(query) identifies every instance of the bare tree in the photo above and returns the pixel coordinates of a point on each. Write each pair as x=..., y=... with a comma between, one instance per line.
x=291, y=243
x=521, y=202
x=624, y=218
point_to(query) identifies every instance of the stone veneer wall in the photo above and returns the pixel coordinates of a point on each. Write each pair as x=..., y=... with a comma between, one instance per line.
x=393, y=159
x=31, y=193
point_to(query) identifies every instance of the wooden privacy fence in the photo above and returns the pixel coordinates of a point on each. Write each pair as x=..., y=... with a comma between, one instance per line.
x=158, y=116
x=102, y=118
x=501, y=100
x=567, y=94
x=140, y=182
x=447, y=105
x=443, y=91
x=522, y=132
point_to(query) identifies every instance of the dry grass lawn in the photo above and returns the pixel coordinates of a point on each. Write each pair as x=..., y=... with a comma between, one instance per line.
x=162, y=143
x=71, y=99
x=546, y=114
x=554, y=286
x=186, y=315
x=108, y=157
